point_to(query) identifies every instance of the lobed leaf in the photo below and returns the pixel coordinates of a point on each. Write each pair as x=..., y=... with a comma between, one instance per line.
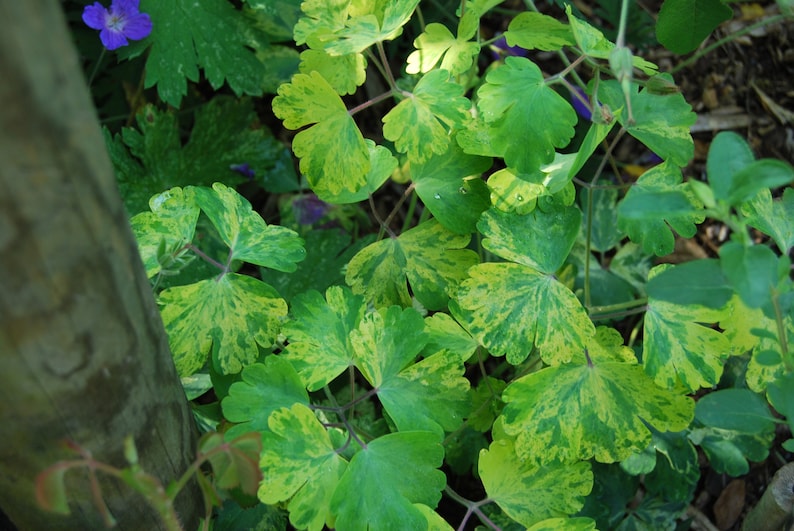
x=773, y=217
x=684, y=24
x=536, y=31
x=436, y=42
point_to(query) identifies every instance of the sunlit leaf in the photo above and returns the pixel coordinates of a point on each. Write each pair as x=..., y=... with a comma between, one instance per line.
x=380, y=22
x=437, y=42
x=345, y=73
x=533, y=30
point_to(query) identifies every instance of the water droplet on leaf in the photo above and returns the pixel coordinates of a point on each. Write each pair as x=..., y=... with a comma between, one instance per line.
x=437, y=196
x=463, y=190
x=519, y=197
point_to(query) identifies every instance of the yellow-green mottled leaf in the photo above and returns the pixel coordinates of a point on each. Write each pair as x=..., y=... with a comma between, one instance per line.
x=299, y=464
x=430, y=258
x=168, y=227
x=572, y=412
x=451, y=188
x=321, y=17
x=249, y=238
x=444, y=333
x=420, y=124
x=384, y=480
x=377, y=22
x=767, y=363
x=509, y=193
x=530, y=493
x=233, y=314
x=437, y=42
x=263, y=388
x=344, y=73
x=514, y=101
x=775, y=218
x=309, y=99
x=541, y=239
x=513, y=307
x=318, y=343
x=564, y=524
x=431, y=395
x=533, y=30
x=680, y=347
x=381, y=165
x=386, y=341
x=435, y=522
x=654, y=233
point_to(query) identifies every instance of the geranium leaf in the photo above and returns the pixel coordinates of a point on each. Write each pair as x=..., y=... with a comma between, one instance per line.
x=168, y=227
x=231, y=315
x=530, y=493
x=513, y=307
x=309, y=99
x=385, y=479
x=263, y=388
x=430, y=258
x=653, y=232
x=437, y=42
x=541, y=239
x=680, y=347
x=571, y=412
x=514, y=100
x=318, y=334
x=249, y=238
x=300, y=464
x=450, y=187
x=420, y=124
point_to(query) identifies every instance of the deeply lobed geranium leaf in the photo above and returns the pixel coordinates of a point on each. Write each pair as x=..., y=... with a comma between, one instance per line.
x=530, y=493
x=249, y=238
x=661, y=122
x=386, y=478
x=231, y=315
x=263, y=388
x=420, y=124
x=431, y=259
x=168, y=227
x=318, y=334
x=300, y=464
x=514, y=100
x=653, y=232
x=152, y=158
x=450, y=187
x=513, y=307
x=541, y=239
x=571, y=412
x=179, y=46
x=309, y=99
x=430, y=395
x=437, y=42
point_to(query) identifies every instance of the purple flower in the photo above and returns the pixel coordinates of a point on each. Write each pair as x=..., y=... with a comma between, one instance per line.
x=243, y=169
x=309, y=209
x=118, y=23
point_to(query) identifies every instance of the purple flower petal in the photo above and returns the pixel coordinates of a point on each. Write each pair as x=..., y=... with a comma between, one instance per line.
x=94, y=16
x=112, y=39
x=138, y=27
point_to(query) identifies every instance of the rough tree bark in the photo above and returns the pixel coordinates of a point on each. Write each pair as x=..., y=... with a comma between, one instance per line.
x=83, y=353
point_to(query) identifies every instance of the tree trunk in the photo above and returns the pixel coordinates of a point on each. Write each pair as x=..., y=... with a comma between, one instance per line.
x=83, y=353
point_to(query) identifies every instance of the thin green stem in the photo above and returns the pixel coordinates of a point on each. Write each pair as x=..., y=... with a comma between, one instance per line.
x=208, y=259
x=624, y=16
x=781, y=332
x=386, y=67
x=96, y=67
x=369, y=103
x=744, y=31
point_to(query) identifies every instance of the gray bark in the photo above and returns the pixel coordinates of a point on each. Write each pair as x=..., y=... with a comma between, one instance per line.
x=83, y=353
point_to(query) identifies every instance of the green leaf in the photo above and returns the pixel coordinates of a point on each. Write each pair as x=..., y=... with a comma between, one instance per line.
x=51, y=489
x=168, y=227
x=431, y=259
x=541, y=239
x=704, y=281
x=684, y=24
x=321, y=19
x=510, y=193
x=573, y=412
x=249, y=238
x=281, y=63
x=752, y=271
x=375, y=22
x=450, y=187
x=232, y=517
x=263, y=388
x=679, y=346
x=781, y=395
x=605, y=234
x=566, y=524
x=444, y=333
x=420, y=124
x=514, y=307
x=179, y=46
x=757, y=176
x=654, y=233
x=661, y=122
x=514, y=100
x=300, y=464
x=739, y=410
x=385, y=479
x=386, y=341
x=234, y=314
x=535, y=31
x=728, y=451
x=152, y=158
x=318, y=334
x=276, y=17
x=382, y=165
x=437, y=42
x=236, y=465
x=345, y=73
x=529, y=493
x=309, y=99
x=773, y=217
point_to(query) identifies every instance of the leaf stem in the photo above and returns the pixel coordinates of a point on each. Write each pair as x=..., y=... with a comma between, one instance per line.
x=472, y=507
x=781, y=332
x=201, y=254
x=369, y=103
x=598, y=313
